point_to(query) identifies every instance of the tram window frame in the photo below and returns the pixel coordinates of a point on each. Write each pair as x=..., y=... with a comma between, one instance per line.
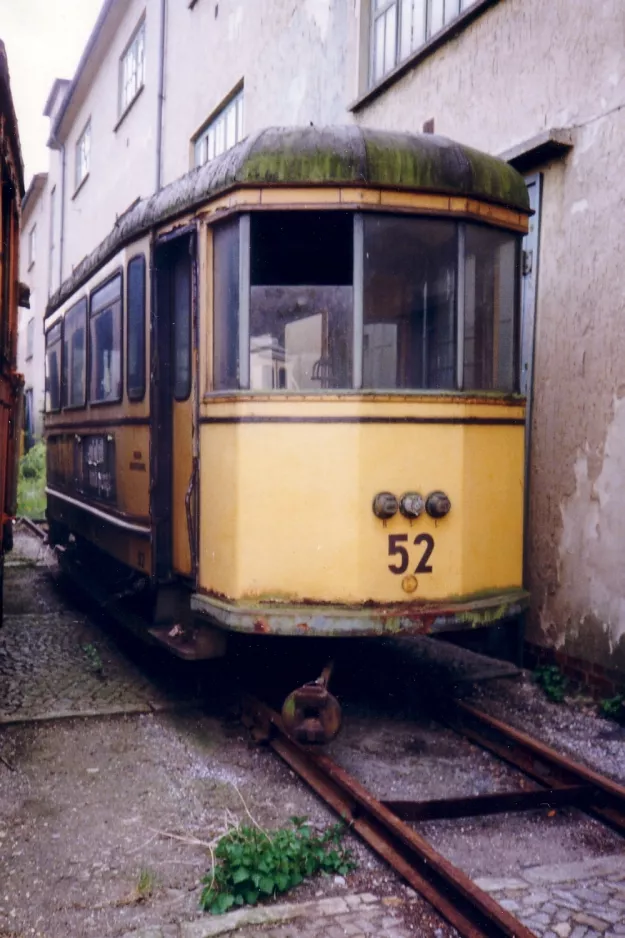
x=228, y=252
x=66, y=375
x=54, y=339
x=117, y=333
x=135, y=330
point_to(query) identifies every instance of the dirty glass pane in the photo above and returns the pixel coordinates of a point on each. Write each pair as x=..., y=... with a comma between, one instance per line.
x=75, y=355
x=53, y=369
x=105, y=342
x=437, y=16
x=301, y=303
x=491, y=314
x=409, y=335
x=136, y=328
x=181, y=326
x=226, y=305
x=452, y=9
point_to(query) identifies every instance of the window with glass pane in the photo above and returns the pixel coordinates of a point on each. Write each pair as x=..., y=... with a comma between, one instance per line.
x=132, y=69
x=105, y=342
x=74, y=355
x=182, y=326
x=301, y=301
x=400, y=27
x=135, y=361
x=409, y=328
x=222, y=132
x=53, y=368
x=490, y=309
x=83, y=154
x=226, y=305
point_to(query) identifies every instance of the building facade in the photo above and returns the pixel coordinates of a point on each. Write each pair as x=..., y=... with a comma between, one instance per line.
x=163, y=86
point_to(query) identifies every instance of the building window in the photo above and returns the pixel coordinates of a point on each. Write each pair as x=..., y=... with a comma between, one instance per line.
x=400, y=27
x=222, y=132
x=32, y=245
x=132, y=69
x=135, y=364
x=83, y=155
x=30, y=338
x=52, y=244
x=74, y=355
x=105, y=342
x=53, y=368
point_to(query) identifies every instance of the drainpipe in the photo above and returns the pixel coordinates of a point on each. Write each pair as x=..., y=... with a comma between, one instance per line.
x=160, y=98
x=62, y=215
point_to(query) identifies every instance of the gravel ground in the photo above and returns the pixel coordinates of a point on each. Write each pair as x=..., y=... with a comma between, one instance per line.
x=573, y=727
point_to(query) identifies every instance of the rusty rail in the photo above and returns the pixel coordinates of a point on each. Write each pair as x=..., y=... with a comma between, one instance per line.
x=450, y=891
x=32, y=526
x=597, y=795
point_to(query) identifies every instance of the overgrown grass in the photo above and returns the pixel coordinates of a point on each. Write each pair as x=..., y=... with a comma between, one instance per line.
x=31, y=495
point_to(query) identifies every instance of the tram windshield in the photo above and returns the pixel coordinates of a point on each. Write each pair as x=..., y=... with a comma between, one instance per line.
x=308, y=301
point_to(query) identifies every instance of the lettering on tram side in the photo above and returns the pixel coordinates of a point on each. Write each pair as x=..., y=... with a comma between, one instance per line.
x=396, y=549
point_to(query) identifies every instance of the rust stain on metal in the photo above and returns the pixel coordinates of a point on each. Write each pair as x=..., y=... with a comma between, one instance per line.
x=261, y=627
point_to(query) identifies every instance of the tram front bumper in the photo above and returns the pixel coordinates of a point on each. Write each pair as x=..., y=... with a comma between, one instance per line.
x=332, y=621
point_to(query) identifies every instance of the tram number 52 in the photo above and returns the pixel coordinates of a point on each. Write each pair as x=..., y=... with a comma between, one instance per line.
x=396, y=549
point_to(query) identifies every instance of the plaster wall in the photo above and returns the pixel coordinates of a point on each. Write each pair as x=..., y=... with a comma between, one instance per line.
x=35, y=275
x=296, y=58
x=123, y=154
x=522, y=67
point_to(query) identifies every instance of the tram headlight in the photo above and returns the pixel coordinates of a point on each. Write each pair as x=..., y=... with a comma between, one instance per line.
x=411, y=505
x=437, y=505
x=385, y=505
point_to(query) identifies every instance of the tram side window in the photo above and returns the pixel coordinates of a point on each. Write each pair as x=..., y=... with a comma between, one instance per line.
x=226, y=305
x=74, y=355
x=409, y=330
x=301, y=300
x=53, y=368
x=105, y=342
x=490, y=305
x=135, y=364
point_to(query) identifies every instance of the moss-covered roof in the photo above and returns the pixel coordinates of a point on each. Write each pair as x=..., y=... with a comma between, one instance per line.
x=294, y=156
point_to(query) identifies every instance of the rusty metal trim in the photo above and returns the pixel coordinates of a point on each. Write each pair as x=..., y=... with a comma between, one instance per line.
x=469, y=909
x=497, y=803
x=345, y=621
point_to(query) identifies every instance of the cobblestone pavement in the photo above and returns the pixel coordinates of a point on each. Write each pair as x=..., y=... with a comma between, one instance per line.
x=53, y=661
x=356, y=916
x=568, y=900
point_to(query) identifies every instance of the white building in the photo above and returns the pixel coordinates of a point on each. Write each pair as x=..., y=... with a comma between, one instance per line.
x=164, y=84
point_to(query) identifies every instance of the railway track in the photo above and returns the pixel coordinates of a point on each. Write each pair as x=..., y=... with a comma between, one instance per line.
x=554, y=781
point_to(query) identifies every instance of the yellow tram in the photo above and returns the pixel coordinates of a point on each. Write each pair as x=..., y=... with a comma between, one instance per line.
x=282, y=394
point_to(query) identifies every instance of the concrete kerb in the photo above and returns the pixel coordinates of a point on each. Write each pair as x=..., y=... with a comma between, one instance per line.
x=556, y=873
x=210, y=927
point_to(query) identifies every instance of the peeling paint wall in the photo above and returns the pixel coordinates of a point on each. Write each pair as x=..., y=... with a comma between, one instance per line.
x=522, y=67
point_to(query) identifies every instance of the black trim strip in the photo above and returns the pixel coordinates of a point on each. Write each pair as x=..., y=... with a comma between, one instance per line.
x=470, y=421
x=81, y=425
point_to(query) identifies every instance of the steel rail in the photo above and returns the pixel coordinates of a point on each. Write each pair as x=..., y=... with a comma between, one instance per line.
x=599, y=796
x=32, y=526
x=449, y=890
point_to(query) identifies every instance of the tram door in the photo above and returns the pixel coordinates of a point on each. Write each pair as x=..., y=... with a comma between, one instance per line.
x=173, y=495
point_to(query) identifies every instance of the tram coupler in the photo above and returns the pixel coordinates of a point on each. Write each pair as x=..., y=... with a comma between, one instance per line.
x=311, y=714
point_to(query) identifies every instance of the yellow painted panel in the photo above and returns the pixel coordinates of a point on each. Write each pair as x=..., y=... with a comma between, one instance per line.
x=302, y=196
x=182, y=465
x=132, y=451
x=416, y=201
x=361, y=196
x=493, y=507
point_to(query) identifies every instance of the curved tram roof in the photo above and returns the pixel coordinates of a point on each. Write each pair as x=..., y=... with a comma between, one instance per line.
x=298, y=156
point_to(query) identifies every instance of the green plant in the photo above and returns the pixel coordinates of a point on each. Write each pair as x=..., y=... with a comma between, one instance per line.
x=552, y=681
x=145, y=885
x=254, y=863
x=93, y=657
x=613, y=708
x=31, y=484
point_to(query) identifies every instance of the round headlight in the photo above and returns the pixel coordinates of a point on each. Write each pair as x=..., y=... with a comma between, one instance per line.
x=437, y=505
x=411, y=504
x=385, y=505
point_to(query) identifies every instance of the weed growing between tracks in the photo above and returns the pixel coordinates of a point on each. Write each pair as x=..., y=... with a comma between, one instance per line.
x=257, y=863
